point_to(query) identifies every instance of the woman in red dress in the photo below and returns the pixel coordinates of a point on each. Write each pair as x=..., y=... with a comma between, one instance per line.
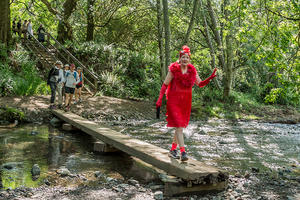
x=179, y=81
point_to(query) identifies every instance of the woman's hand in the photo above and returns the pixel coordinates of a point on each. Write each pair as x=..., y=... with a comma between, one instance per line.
x=213, y=75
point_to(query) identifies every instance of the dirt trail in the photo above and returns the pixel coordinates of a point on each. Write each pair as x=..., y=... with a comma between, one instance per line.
x=110, y=108
x=90, y=107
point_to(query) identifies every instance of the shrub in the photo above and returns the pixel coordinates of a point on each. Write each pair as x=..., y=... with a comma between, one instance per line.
x=11, y=114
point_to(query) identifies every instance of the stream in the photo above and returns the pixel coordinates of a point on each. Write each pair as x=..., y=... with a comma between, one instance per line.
x=268, y=152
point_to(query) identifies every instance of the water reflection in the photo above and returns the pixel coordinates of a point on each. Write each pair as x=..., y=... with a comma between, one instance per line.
x=234, y=147
x=44, y=145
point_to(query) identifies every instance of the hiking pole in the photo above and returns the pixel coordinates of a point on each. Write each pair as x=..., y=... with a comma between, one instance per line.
x=157, y=112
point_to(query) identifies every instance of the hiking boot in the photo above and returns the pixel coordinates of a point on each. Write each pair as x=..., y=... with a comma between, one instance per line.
x=184, y=156
x=75, y=102
x=173, y=154
x=52, y=107
x=67, y=108
x=79, y=101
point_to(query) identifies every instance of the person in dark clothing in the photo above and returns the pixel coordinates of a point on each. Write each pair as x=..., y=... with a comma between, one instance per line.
x=41, y=33
x=19, y=24
x=14, y=28
x=53, y=79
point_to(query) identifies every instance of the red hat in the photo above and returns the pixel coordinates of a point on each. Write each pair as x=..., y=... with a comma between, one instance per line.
x=72, y=65
x=185, y=49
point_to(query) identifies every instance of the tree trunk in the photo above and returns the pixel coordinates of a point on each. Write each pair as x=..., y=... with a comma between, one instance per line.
x=191, y=24
x=217, y=35
x=160, y=40
x=5, y=33
x=90, y=21
x=228, y=72
x=209, y=42
x=64, y=29
x=9, y=30
x=167, y=32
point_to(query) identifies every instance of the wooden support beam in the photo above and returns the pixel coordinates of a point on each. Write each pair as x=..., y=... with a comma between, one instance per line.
x=176, y=187
x=68, y=127
x=102, y=147
x=173, y=186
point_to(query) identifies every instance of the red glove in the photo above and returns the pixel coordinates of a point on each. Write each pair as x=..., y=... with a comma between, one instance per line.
x=206, y=81
x=161, y=95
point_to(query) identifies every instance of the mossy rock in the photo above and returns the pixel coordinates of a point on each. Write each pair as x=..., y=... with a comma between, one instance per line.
x=11, y=114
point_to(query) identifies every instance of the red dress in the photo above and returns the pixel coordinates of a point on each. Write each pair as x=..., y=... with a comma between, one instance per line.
x=179, y=95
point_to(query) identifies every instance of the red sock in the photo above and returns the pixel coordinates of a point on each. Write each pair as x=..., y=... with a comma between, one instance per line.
x=174, y=146
x=182, y=149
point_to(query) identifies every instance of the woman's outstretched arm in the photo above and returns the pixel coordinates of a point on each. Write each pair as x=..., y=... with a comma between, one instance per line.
x=163, y=89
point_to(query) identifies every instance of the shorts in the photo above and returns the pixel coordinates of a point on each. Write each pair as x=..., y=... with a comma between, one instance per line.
x=78, y=86
x=69, y=90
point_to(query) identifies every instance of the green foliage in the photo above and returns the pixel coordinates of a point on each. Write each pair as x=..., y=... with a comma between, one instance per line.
x=274, y=95
x=23, y=78
x=124, y=52
x=111, y=84
x=28, y=81
x=7, y=82
x=123, y=73
x=11, y=114
x=238, y=106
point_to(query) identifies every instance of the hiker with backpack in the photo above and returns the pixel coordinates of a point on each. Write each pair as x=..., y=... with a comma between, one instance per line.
x=72, y=79
x=41, y=33
x=55, y=76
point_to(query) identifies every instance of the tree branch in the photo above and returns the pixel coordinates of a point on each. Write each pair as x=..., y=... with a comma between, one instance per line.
x=28, y=9
x=285, y=17
x=52, y=10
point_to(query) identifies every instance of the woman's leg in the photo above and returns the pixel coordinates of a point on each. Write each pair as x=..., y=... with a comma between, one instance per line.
x=70, y=100
x=179, y=135
x=79, y=93
x=67, y=99
x=175, y=141
x=173, y=151
x=76, y=94
x=180, y=139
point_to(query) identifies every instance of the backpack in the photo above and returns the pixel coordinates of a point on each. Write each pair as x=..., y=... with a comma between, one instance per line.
x=52, y=75
x=74, y=74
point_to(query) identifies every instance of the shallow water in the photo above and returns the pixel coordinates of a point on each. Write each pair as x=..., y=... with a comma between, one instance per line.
x=50, y=148
x=234, y=147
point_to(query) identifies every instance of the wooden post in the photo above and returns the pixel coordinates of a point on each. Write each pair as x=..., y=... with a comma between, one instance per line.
x=102, y=147
x=68, y=127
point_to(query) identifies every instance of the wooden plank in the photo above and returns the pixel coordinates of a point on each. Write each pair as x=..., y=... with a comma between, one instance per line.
x=192, y=170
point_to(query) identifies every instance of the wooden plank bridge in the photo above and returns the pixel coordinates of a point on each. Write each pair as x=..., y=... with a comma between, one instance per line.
x=192, y=172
